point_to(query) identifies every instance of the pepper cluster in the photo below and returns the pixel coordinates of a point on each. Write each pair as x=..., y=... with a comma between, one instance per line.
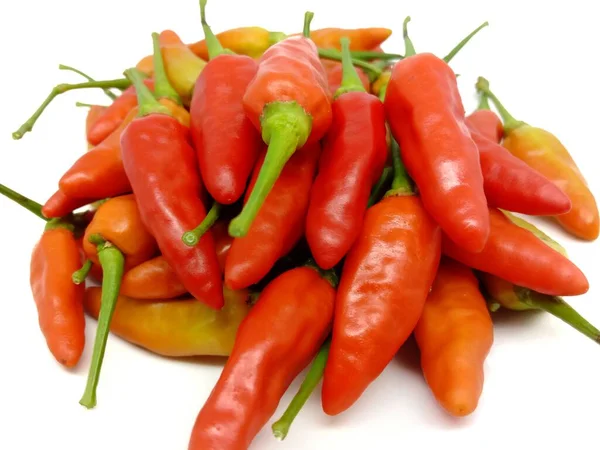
x=275, y=198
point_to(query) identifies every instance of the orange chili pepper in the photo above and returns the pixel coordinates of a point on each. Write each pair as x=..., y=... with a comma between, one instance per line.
x=249, y=41
x=181, y=64
x=156, y=279
x=544, y=152
x=455, y=334
x=60, y=204
x=94, y=112
x=177, y=328
x=118, y=221
x=360, y=38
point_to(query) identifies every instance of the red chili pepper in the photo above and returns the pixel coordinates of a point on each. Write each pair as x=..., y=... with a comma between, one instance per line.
x=354, y=154
x=335, y=73
x=279, y=224
x=59, y=205
x=274, y=343
x=114, y=115
x=384, y=284
x=92, y=116
x=226, y=157
x=162, y=169
x=511, y=184
x=360, y=38
x=486, y=121
x=289, y=101
x=517, y=255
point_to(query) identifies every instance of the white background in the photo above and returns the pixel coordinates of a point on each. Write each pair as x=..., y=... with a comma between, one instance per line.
x=542, y=378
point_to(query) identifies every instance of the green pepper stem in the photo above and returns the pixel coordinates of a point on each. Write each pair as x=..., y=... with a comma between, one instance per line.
x=409, y=48
x=334, y=55
x=162, y=86
x=84, y=105
x=308, y=17
x=25, y=202
x=510, y=123
x=113, y=263
x=212, y=42
x=80, y=275
x=312, y=379
x=381, y=186
x=108, y=92
x=560, y=309
x=61, y=89
x=191, y=238
x=483, y=102
x=369, y=55
x=464, y=42
x=401, y=184
x=146, y=101
x=351, y=82
x=285, y=128
x=55, y=223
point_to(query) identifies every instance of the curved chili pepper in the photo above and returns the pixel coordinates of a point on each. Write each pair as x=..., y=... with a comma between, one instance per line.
x=543, y=151
x=516, y=298
x=161, y=166
x=485, y=121
x=274, y=343
x=60, y=205
x=360, y=38
x=426, y=117
x=118, y=221
x=57, y=299
x=280, y=222
x=225, y=158
x=92, y=116
x=516, y=255
x=178, y=328
x=511, y=184
x=112, y=262
x=354, y=154
x=181, y=64
x=455, y=334
x=249, y=41
x=289, y=101
x=156, y=279
x=114, y=114
x=385, y=280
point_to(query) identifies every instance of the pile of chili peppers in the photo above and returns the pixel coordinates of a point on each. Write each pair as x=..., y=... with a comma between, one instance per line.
x=287, y=199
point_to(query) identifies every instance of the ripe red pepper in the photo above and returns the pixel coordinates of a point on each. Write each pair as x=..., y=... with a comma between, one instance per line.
x=426, y=117
x=60, y=204
x=226, y=157
x=517, y=255
x=485, y=121
x=279, y=224
x=354, y=154
x=274, y=343
x=114, y=115
x=289, y=101
x=511, y=184
x=161, y=166
x=93, y=114
x=384, y=284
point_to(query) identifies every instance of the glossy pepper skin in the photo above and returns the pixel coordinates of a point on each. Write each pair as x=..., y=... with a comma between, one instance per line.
x=94, y=112
x=60, y=204
x=487, y=123
x=176, y=328
x=360, y=38
x=161, y=166
x=118, y=221
x=455, y=334
x=249, y=41
x=181, y=64
x=517, y=255
x=226, y=158
x=279, y=224
x=426, y=117
x=355, y=152
x=155, y=279
x=544, y=152
x=58, y=300
x=274, y=343
x=512, y=185
x=289, y=101
x=114, y=114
